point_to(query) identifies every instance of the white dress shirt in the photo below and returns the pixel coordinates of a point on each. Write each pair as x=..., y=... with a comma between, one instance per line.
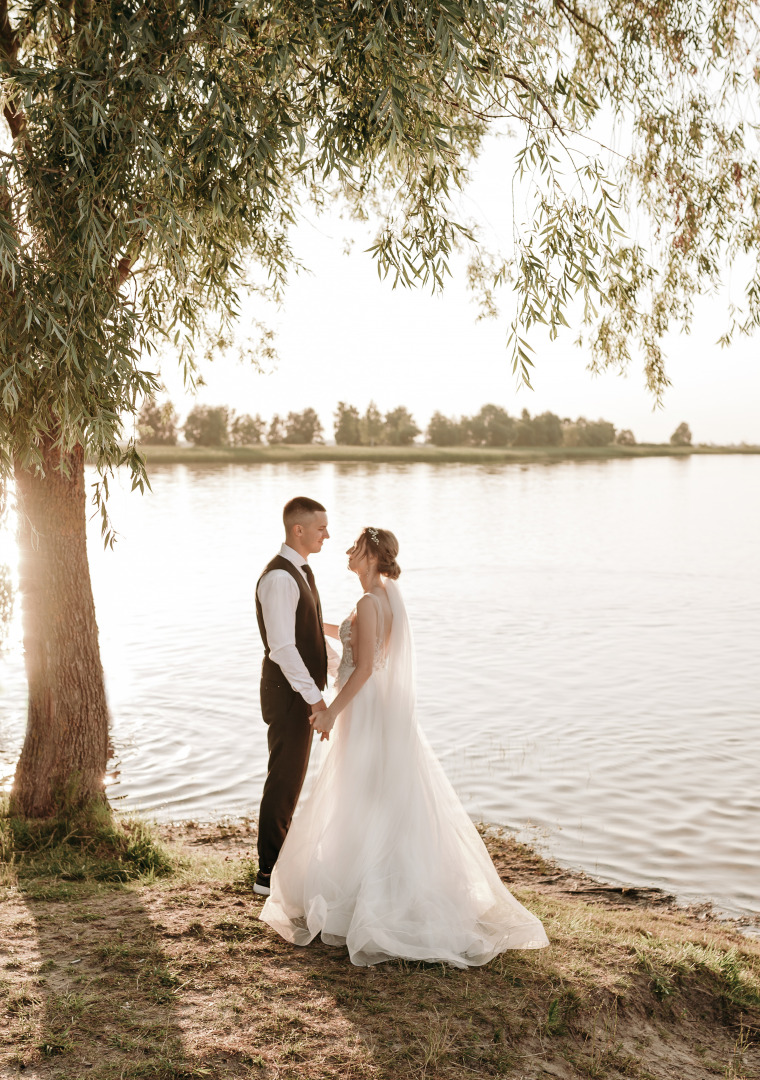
x=279, y=594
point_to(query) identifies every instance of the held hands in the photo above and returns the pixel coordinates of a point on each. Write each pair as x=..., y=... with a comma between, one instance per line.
x=322, y=720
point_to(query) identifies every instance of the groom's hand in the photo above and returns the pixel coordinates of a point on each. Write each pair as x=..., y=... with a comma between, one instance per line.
x=320, y=707
x=317, y=719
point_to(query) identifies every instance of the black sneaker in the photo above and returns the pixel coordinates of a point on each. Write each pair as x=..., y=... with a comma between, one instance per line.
x=261, y=885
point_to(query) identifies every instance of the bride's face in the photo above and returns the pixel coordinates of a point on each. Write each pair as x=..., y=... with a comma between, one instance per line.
x=358, y=560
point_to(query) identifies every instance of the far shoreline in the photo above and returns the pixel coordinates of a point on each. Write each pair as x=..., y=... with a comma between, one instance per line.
x=424, y=454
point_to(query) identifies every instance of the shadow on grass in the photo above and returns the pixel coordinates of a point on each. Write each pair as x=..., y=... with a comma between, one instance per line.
x=90, y=991
x=404, y=1019
x=107, y=992
x=179, y=978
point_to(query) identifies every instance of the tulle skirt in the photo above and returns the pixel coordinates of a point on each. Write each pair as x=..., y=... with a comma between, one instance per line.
x=382, y=857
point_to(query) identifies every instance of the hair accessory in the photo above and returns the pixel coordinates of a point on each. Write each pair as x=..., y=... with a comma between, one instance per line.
x=373, y=535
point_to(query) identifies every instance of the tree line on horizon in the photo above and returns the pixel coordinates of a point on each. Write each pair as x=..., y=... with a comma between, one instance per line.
x=492, y=426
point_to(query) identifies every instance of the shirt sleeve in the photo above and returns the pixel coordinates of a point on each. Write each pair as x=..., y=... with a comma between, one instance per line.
x=278, y=594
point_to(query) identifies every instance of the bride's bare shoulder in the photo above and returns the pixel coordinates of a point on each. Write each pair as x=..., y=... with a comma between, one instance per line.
x=383, y=602
x=366, y=605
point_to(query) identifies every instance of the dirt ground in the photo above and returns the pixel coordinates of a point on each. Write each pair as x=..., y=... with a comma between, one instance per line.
x=176, y=977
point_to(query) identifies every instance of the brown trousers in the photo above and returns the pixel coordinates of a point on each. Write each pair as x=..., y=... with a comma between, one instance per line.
x=289, y=736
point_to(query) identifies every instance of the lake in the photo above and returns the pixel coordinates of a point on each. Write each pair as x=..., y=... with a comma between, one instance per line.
x=587, y=642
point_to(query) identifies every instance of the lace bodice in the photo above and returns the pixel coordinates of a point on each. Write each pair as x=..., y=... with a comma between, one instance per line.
x=347, y=663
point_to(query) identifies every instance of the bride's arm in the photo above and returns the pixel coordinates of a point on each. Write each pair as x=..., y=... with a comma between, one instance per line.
x=364, y=651
x=331, y=630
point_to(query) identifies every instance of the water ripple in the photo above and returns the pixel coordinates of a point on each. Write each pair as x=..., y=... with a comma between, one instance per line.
x=587, y=638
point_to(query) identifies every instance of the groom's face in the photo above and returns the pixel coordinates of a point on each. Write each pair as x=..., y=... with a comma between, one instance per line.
x=314, y=532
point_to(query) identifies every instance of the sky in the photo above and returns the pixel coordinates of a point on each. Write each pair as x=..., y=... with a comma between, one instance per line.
x=345, y=335
x=342, y=334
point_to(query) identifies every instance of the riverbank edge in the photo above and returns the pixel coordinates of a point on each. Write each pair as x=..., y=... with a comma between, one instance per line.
x=412, y=455
x=175, y=976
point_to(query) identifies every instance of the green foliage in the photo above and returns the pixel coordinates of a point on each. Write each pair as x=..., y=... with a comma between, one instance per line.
x=347, y=425
x=494, y=427
x=160, y=153
x=598, y=433
x=681, y=436
x=157, y=424
x=87, y=845
x=246, y=430
x=548, y=429
x=671, y=966
x=491, y=427
x=207, y=425
x=525, y=433
x=561, y=1011
x=247, y=878
x=276, y=432
x=396, y=428
x=443, y=431
x=302, y=428
x=400, y=428
x=371, y=426
x=589, y=433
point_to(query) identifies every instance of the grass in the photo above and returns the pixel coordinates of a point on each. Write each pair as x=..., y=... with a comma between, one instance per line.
x=172, y=976
x=169, y=455
x=45, y=858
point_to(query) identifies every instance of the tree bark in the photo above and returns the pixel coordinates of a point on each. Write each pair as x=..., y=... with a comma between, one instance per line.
x=65, y=752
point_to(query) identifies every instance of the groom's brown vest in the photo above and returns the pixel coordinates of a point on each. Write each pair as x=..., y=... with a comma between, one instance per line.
x=310, y=638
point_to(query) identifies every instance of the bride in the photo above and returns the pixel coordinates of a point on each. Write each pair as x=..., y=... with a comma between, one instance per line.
x=381, y=856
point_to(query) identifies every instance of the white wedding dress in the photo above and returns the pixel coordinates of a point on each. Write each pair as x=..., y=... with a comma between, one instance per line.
x=381, y=855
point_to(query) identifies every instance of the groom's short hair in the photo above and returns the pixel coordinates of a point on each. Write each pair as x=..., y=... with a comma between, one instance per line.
x=299, y=510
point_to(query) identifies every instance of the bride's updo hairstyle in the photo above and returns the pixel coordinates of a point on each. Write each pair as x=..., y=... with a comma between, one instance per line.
x=384, y=545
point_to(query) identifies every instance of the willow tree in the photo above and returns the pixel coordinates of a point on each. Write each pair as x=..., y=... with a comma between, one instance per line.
x=158, y=154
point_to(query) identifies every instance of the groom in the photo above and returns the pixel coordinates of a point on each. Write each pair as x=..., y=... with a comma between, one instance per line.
x=293, y=674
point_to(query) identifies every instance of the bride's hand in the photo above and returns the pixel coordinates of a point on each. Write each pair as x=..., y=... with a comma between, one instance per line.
x=322, y=721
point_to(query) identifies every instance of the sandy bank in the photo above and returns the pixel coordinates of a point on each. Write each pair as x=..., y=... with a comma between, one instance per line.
x=175, y=977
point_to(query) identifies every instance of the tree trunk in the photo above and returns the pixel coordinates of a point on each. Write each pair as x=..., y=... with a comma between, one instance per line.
x=65, y=752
